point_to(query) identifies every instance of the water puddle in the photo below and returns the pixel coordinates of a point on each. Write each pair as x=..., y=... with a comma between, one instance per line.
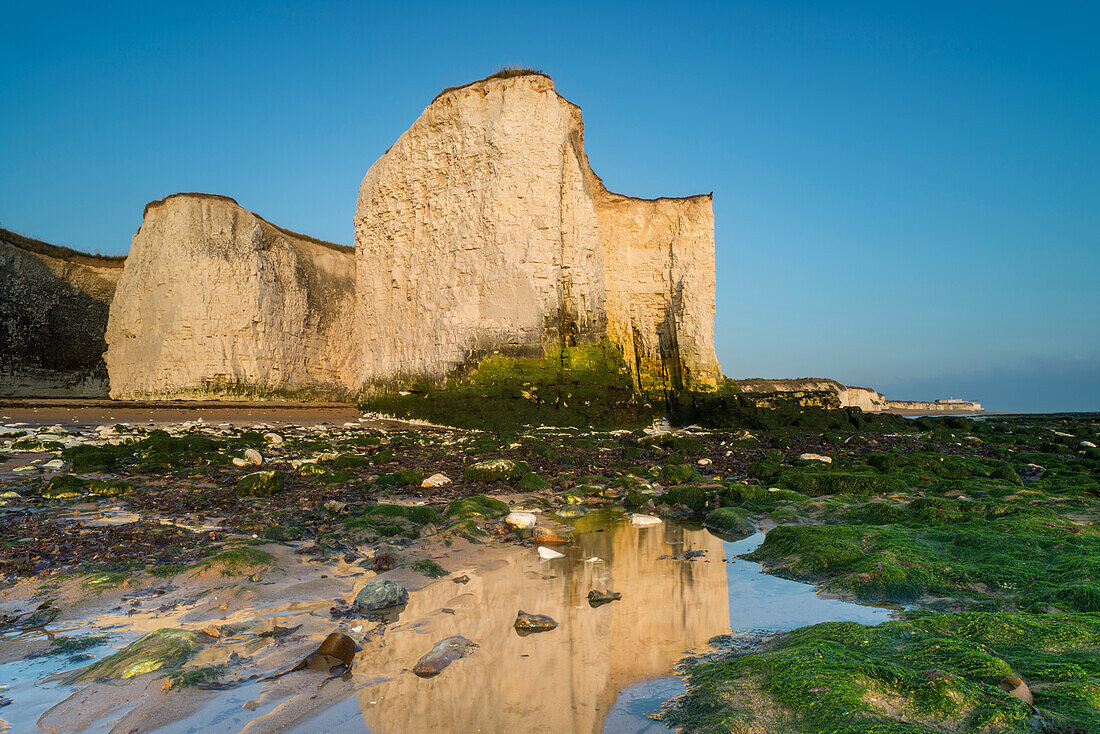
x=604, y=668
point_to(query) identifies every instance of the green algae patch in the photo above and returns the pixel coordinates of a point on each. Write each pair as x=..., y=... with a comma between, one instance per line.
x=818, y=483
x=90, y=458
x=429, y=568
x=261, y=484
x=165, y=649
x=496, y=470
x=532, y=482
x=403, y=478
x=103, y=580
x=199, y=675
x=993, y=554
x=477, y=506
x=730, y=521
x=928, y=672
x=241, y=561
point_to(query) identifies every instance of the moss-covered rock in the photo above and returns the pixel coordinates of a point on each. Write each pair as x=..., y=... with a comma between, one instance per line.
x=477, y=506
x=730, y=521
x=64, y=486
x=261, y=483
x=108, y=487
x=402, y=478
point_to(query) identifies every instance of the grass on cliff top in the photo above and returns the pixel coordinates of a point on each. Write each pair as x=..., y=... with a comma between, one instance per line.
x=928, y=672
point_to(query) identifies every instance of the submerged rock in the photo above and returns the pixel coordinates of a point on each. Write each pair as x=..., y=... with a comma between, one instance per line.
x=644, y=521
x=165, y=649
x=444, y=653
x=548, y=554
x=381, y=594
x=597, y=598
x=529, y=624
x=546, y=535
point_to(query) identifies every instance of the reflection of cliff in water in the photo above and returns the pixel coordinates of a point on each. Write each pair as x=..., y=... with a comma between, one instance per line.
x=565, y=680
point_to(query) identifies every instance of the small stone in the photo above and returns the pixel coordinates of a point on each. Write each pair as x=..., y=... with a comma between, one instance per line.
x=704, y=462
x=1015, y=687
x=644, y=521
x=521, y=520
x=816, y=457
x=529, y=624
x=252, y=456
x=238, y=461
x=273, y=438
x=1087, y=445
x=381, y=594
x=547, y=554
x=435, y=480
x=597, y=598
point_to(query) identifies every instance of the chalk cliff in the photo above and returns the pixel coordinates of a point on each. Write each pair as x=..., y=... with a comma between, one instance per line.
x=484, y=229
x=216, y=300
x=53, y=313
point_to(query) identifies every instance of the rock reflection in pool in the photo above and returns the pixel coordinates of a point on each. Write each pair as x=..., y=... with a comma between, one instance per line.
x=567, y=680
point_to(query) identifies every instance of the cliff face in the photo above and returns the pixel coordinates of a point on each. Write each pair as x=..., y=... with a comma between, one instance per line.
x=216, y=300
x=865, y=398
x=53, y=315
x=483, y=229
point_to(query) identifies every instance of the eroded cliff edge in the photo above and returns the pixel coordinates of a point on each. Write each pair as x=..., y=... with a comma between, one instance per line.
x=484, y=230
x=215, y=300
x=53, y=314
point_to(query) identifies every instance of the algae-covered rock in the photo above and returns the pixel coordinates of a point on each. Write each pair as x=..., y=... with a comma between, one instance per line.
x=496, y=470
x=165, y=649
x=108, y=487
x=729, y=520
x=64, y=486
x=381, y=594
x=475, y=506
x=261, y=484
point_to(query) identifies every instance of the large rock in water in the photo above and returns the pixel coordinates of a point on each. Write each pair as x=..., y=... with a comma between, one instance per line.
x=216, y=300
x=53, y=316
x=484, y=230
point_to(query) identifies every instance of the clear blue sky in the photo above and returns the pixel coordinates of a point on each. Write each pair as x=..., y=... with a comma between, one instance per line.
x=907, y=195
